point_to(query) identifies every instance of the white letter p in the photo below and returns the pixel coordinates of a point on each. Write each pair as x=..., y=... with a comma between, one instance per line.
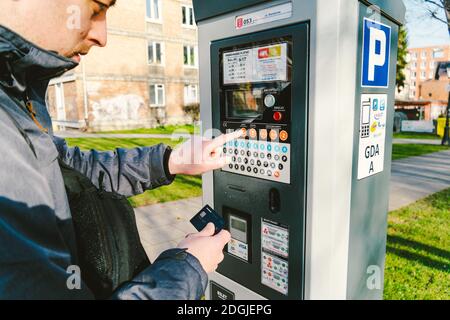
x=374, y=58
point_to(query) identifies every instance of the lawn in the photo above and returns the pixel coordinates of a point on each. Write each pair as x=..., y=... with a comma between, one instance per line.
x=418, y=244
x=400, y=151
x=415, y=135
x=169, y=129
x=182, y=187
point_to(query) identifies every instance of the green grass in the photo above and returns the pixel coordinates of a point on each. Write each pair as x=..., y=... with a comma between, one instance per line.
x=188, y=128
x=183, y=186
x=418, y=244
x=400, y=151
x=415, y=135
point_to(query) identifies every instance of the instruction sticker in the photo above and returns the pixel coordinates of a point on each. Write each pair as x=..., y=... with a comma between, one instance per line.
x=274, y=13
x=372, y=134
x=260, y=64
x=274, y=255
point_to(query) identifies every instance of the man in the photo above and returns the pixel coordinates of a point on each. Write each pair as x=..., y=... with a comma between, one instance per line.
x=36, y=234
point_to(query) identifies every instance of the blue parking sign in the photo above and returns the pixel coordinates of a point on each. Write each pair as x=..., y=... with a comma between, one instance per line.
x=375, y=54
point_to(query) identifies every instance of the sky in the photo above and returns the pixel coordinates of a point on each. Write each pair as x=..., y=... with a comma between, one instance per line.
x=422, y=30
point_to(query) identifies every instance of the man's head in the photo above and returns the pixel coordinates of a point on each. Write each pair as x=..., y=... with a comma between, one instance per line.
x=69, y=27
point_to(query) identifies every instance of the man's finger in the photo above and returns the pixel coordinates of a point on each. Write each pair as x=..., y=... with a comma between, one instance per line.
x=223, y=139
x=208, y=231
x=223, y=236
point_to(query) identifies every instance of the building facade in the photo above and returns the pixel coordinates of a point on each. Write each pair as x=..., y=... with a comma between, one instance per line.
x=143, y=77
x=422, y=67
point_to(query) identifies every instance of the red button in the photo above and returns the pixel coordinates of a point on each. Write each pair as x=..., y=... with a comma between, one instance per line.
x=277, y=116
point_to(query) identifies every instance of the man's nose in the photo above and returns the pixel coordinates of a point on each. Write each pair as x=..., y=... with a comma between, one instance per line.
x=98, y=33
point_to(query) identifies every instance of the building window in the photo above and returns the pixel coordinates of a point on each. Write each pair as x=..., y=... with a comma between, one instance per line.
x=414, y=75
x=155, y=53
x=423, y=75
x=190, y=94
x=431, y=75
x=432, y=65
x=187, y=13
x=423, y=65
x=157, y=95
x=60, y=101
x=153, y=10
x=413, y=83
x=414, y=65
x=414, y=55
x=424, y=55
x=438, y=53
x=412, y=93
x=190, y=56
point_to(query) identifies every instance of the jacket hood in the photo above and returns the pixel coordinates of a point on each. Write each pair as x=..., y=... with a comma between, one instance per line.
x=22, y=62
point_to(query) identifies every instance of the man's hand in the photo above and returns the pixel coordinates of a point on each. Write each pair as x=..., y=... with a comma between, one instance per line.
x=206, y=247
x=199, y=155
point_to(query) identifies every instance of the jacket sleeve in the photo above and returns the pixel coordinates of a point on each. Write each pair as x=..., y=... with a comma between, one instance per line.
x=175, y=275
x=127, y=171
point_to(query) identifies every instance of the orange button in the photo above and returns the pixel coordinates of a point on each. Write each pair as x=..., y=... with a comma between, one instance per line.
x=283, y=135
x=273, y=135
x=244, y=132
x=276, y=174
x=252, y=133
x=263, y=134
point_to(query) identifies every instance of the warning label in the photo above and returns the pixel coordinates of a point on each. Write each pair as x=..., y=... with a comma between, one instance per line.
x=260, y=64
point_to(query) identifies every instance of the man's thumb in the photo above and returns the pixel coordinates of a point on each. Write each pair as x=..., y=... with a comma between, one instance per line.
x=208, y=230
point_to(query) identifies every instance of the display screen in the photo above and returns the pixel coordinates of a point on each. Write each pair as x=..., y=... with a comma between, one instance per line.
x=238, y=225
x=244, y=103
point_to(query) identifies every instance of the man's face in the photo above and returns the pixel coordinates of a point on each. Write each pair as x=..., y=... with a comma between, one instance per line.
x=69, y=27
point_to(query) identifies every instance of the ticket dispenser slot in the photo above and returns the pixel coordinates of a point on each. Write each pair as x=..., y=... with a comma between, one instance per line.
x=259, y=83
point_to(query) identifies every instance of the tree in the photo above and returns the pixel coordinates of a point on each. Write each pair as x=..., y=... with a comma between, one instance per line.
x=433, y=9
x=401, y=57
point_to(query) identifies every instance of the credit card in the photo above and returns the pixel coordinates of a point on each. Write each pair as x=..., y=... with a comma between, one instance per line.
x=205, y=216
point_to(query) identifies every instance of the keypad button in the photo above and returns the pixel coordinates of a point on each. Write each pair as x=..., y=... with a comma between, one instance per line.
x=249, y=154
x=269, y=156
x=252, y=133
x=269, y=173
x=230, y=151
x=262, y=147
x=255, y=154
x=276, y=157
x=266, y=164
x=277, y=148
x=284, y=158
x=283, y=135
x=280, y=166
x=263, y=134
x=249, y=169
x=276, y=174
x=242, y=152
x=242, y=168
x=258, y=163
x=236, y=166
x=273, y=135
x=236, y=151
x=255, y=146
x=252, y=162
x=245, y=160
x=272, y=165
x=262, y=171
x=284, y=149
x=269, y=147
x=233, y=158
x=224, y=150
x=261, y=155
x=239, y=160
x=255, y=170
x=230, y=166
